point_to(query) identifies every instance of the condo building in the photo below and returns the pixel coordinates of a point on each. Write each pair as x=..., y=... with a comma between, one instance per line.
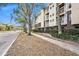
x=39, y=22
x=68, y=13
x=64, y=13
x=46, y=18
x=75, y=14
x=52, y=15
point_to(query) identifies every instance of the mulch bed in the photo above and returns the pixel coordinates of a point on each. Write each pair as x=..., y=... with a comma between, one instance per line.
x=33, y=46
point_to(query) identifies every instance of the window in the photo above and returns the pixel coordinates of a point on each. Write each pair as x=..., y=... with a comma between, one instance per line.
x=50, y=15
x=53, y=14
x=62, y=9
x=62, y=19
x=47, y=16
x=52, y=19
x=69, y=16
x=69, y=5
x=52, y=5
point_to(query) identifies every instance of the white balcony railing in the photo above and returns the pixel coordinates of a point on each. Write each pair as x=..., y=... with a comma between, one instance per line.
x=61, y=10
x=46, y=23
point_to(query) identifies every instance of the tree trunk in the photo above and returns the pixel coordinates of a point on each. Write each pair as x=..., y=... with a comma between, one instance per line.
x=59, y=26
x=25, y=29
x=29, y=29
x=59, y=21
x=69, y=20
x=44, y=22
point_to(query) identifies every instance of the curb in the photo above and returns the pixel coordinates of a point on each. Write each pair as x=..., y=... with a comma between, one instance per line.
x=64, y=45
x=10, y=45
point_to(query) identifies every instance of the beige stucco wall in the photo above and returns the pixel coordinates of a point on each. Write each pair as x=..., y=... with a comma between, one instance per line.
x=52, y=11
x=75, y=13
x=40, y=18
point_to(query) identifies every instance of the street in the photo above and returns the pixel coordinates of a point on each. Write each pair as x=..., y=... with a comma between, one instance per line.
x=6, y=40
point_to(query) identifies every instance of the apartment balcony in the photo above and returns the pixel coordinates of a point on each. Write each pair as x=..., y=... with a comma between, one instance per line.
x=61, y=4
x=47, y=23
x=38, y=25
x=61, y=10
x=69, y=5
x=47, y=17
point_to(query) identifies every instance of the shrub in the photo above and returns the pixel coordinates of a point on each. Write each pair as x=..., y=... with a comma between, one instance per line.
x=75, y=38
x=65, y=35
x=72, y=31
x=71, y=34
x=54, y=33
x=35, y=30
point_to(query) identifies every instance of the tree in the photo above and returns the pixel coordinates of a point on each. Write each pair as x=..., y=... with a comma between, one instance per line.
x=26, y=10
x=19, y=18
x=23, y=22
x=59, y=21
x=30, y=7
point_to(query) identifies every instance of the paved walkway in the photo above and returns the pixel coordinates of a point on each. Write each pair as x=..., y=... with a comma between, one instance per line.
x=6, y=40
x=72, y=47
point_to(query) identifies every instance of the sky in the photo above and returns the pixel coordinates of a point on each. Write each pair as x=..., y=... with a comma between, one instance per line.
x=5, y=13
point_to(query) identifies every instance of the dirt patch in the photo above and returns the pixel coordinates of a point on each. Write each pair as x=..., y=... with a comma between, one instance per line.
x=33, y=46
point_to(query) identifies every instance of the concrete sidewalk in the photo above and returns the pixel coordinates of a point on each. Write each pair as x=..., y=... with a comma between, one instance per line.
x=64, y=45
x=6, y=40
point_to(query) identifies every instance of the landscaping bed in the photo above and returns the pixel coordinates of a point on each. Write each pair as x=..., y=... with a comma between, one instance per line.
x=71, y=34
x=33, y=46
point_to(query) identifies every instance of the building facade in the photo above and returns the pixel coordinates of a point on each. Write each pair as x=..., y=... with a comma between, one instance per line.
x=52, y=14
x=39, y=22
x=68, y=14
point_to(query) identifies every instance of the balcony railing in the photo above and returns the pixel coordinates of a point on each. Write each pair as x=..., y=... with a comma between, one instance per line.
x=61, y=4
x=46, y=23
x=47, y=17
x=69, y=5
x=61, y=10
x=38, y=25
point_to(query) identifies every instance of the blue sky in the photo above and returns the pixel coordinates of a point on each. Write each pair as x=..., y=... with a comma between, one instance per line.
x=5, y=13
